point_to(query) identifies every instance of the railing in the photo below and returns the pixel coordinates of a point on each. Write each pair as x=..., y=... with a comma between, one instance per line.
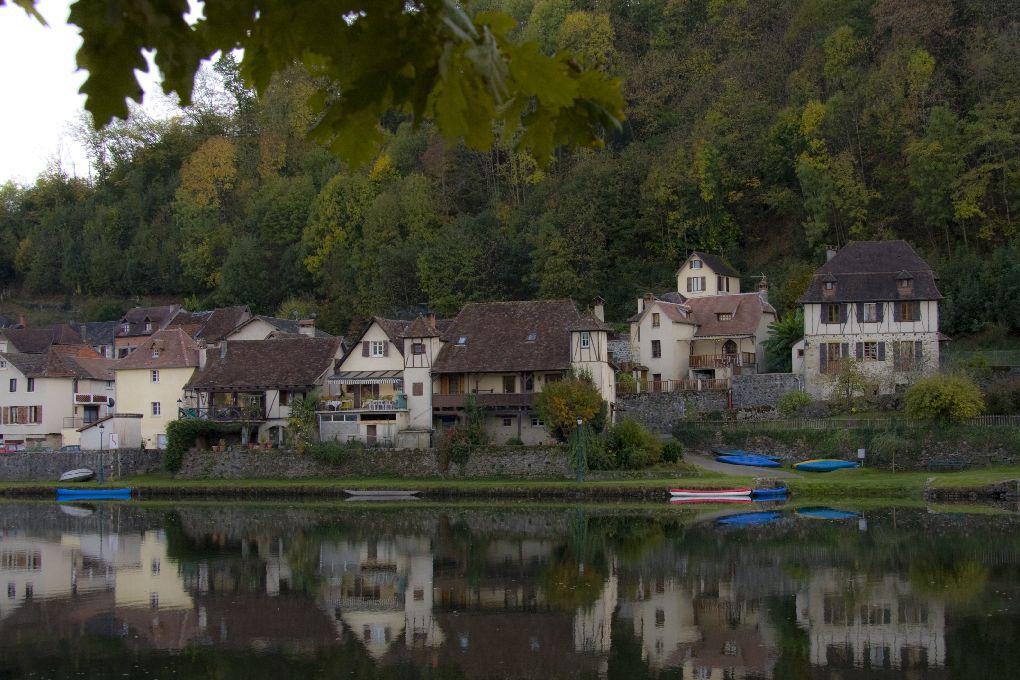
x=501, y=400
x=222, y=413
x=367, y=405
x=847, y=423
x=722, y=360
x=73, y=423
x=688, y=385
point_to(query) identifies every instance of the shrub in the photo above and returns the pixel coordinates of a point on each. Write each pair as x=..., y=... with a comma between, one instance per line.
x=561, y=403
x=672, y=451
x=792, y=403
x=1002, y=397
x=334, y=453
x=514, y=441
x=633, y=445
x=944, y=398
x=626, y=383
x=181, y=436
x=302, y=424
x=889, y=445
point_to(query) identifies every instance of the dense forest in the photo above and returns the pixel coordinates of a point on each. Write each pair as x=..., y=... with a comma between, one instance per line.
x=762, y=130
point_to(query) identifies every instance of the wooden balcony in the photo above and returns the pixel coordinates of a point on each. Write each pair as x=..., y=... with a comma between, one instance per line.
x=693, y=385
x=484, y=400
x=722, y=360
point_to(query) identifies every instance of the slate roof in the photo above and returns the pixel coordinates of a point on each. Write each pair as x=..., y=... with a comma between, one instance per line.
x=867, y=271
x=176, y=350
x=746, y=308
x=64, y=361
x=97, y=332
x=589, y=322
x=497, y=337
x=8, y=322
x=29, y=364
x=422, y=328
x=137, y=316
x=715, y=263
x=287, y=363
x=211, y=325
x=394, y=330
x=38, y=340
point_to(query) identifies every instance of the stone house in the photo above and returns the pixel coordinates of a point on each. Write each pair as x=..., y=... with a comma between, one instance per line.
x=875, y=303
x=255, y=381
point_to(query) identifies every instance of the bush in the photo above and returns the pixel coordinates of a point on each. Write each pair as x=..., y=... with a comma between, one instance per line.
x=334, y=452
x=626, y=383
x=561, y=403
x=181, y=436
x=633, y=446
x=944, y=398
x=514, y=441
x=792, y=403
x=1002, y=397
x=672, y=451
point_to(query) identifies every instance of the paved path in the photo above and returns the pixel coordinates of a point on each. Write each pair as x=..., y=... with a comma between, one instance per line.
x=737, y=470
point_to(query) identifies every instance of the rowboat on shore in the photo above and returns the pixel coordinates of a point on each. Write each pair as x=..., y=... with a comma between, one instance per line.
x=752, y=460
x=711, y=493
x=79, y=475
x=381, y=492
x=824, y=465
x=721, y=451
x=123, y=493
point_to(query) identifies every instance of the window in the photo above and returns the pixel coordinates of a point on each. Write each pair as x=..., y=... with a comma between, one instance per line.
x=148, y=326
x=537, y=422
x=461, y=341
x=154, y=600
x=830, y=285
x=656, y=349
x=3, y=364
x=109, y=384
x=905, y=283
x=909, y=311
x=156, y=409
x=417, y=389
x=14, y=385
x=655, y=320
x=695, y=284
x=695, y=264
x=509, y=384
x=155, y=375
x=722, y=284
x=585, y=339
x=155, y=566
x=418, y=348
x=870, y=351
x=30, y=386
x=375, y=348
x=660, y=618
x=508, y=422
x=34, y=414
x=831, y=353
x=724, y=317
x=155, y=352
x=454, y=382
x=870, y=312
x=125, y=328
x=419, y=594
x=906, y=354
x=529, y=382
x=832, y=314
x=12, y=590
x=532, y=336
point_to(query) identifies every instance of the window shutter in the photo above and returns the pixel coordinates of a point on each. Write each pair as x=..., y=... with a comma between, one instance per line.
x=822, y=317
x=23, y=415
x=897, y=312
x=917, y=350
x=690, y=284
x=881, y=351
x=702, y=283
x=385, y=348
x=823, y=350
x=364, y=348
x=860, y=312
x=844, y=350
x=843, y=311
x=880, y=311
x=5, y=415
x=375, y=391
x=917, y=310
x=38, y=414
x=859, y=351
x=417, y=389
x=895, y=354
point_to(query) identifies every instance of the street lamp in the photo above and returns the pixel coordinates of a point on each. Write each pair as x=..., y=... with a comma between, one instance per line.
x=101, y=460
x=580, y=450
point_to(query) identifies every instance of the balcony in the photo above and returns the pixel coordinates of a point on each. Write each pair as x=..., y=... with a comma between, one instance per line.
x=694, y=385
x=722, y=360
x=347, y=404
x=223, y=414
x=484, y=400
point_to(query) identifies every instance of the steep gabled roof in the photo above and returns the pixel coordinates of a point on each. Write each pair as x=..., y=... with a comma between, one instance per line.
x=31, y=365
x=714, y=262
x=286, y=363
x=38, y=340
x=176, y=350
x=394, y=330
x=746, y=308
x=284, y=325
x=867, y=271
x=497, y=337
x=97, y=332
x=64, y=361
x=211, y=325
x=136, y=317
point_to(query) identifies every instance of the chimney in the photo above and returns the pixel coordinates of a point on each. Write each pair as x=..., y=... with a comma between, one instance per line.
x=203, y=356
x=830, y=252
x=599, y=308
x=22, y=321
x=763, y=289
x=223, y=350
x=306, y=327
x=430, y=319
x=644, y=302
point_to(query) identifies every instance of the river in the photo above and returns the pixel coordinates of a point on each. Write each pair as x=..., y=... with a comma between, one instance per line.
x=332, y=590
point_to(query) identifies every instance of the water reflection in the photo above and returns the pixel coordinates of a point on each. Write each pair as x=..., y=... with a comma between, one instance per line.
x=500, y=593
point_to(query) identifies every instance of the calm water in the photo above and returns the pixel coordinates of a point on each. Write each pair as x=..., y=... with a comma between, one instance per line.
x=355, y=591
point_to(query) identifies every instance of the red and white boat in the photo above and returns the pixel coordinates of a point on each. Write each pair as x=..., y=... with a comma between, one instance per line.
x=708, y=499
x=710, y=494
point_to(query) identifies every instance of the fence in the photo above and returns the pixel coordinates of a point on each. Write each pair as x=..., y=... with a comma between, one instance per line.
x=697, y=385
x=850, y=423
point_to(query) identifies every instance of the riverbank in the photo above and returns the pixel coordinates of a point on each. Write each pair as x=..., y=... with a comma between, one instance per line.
x=991, y=483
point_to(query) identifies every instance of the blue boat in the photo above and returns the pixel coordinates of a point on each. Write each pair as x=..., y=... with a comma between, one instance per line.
x=749, y=459
x=827, y=513
x=823, y=465
x=770, y=494
x=719, y=451
x=94, y=494
x=748, y=519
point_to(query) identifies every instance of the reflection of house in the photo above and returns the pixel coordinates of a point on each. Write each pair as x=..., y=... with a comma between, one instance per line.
x=856, y=621
x=593, y=626
x=255, y=380
x=875, y=302
x=33, y=568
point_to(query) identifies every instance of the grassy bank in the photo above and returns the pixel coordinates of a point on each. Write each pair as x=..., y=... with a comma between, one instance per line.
x=828, y=487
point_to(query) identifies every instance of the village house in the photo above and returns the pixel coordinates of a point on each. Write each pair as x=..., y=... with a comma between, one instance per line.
x=253, y=382
x=140, y=323
x=874, y=303
x=37, y=340
x=209, y=327
x=45, y=397
x=151, y=381
x=700, y=338
x=99, y=335
x=261, y=327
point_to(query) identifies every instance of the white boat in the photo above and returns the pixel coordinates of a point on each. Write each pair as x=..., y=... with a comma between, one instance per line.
x=79, y=475
x=76, y=510
x=710, y=493
x=380, y=492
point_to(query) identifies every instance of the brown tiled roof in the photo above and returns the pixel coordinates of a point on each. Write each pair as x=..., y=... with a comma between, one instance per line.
x=715, y=263
x=588, y=322
x=867, y=271
x=497, y=337
x=38, y=340
x=746, y=308
x=213, y=325
x=176, y=350
x=394, y=329
x=284, y=363
x=64, y=361
x=422, y=328
x=137, y=316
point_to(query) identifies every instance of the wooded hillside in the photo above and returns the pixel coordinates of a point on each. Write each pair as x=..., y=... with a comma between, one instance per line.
x=758, y=129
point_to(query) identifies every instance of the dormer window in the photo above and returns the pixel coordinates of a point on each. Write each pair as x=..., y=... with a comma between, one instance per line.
x=125, y=327
x=830, y=285
x=904, y=283
x=532, y=336
x=155, y=352
x=726, y=316
x=148, y=326
x=418, y=348
x=461, y=341
x=585, y=339
x=695, y=264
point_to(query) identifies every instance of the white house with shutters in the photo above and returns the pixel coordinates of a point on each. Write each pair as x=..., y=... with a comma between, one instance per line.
x=874, y=303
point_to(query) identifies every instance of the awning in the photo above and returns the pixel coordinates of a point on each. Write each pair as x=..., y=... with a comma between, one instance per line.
x=365, y=377
x=732, y=336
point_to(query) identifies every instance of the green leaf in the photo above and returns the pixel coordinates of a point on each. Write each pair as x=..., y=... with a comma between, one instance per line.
x=546, y=78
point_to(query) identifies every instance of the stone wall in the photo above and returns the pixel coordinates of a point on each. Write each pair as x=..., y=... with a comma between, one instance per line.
x=118, y=463
x=658, y=410
x=521, y=462
x=763, y=389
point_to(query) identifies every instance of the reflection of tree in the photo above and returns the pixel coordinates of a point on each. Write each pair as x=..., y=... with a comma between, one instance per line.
x=569, y=584
x=958, y=581
x=303, y=560
x=625, y=662
x=794, y=646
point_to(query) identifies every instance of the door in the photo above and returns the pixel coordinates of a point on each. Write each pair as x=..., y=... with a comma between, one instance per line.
x=91, y=414
x=656, y=382
x=371, y=434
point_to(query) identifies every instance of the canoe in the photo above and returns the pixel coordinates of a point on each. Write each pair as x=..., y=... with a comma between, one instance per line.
x=79, y=475
x=770, y=494
x=749, y=459
x=827, y=513
x=94, y=494
x=711, y=493
x=709, y=499
x=718, y=451
x=747, y=519
x=823, y=465
x=369, y=499
x=380, y=492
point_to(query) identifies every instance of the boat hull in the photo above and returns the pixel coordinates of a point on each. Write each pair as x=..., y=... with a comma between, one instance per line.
x=79, y=475
x=710, y=493
x=94, y=494
x=380, y=492
x=824, y=465
x=750, y=461
x=748, y=519
x=778, y=492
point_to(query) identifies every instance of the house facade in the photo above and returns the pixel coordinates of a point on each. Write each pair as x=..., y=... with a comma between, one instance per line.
x=151, y=380
x=703, y=274
x=874, y=303
x=254, y=381
x=140, y=323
